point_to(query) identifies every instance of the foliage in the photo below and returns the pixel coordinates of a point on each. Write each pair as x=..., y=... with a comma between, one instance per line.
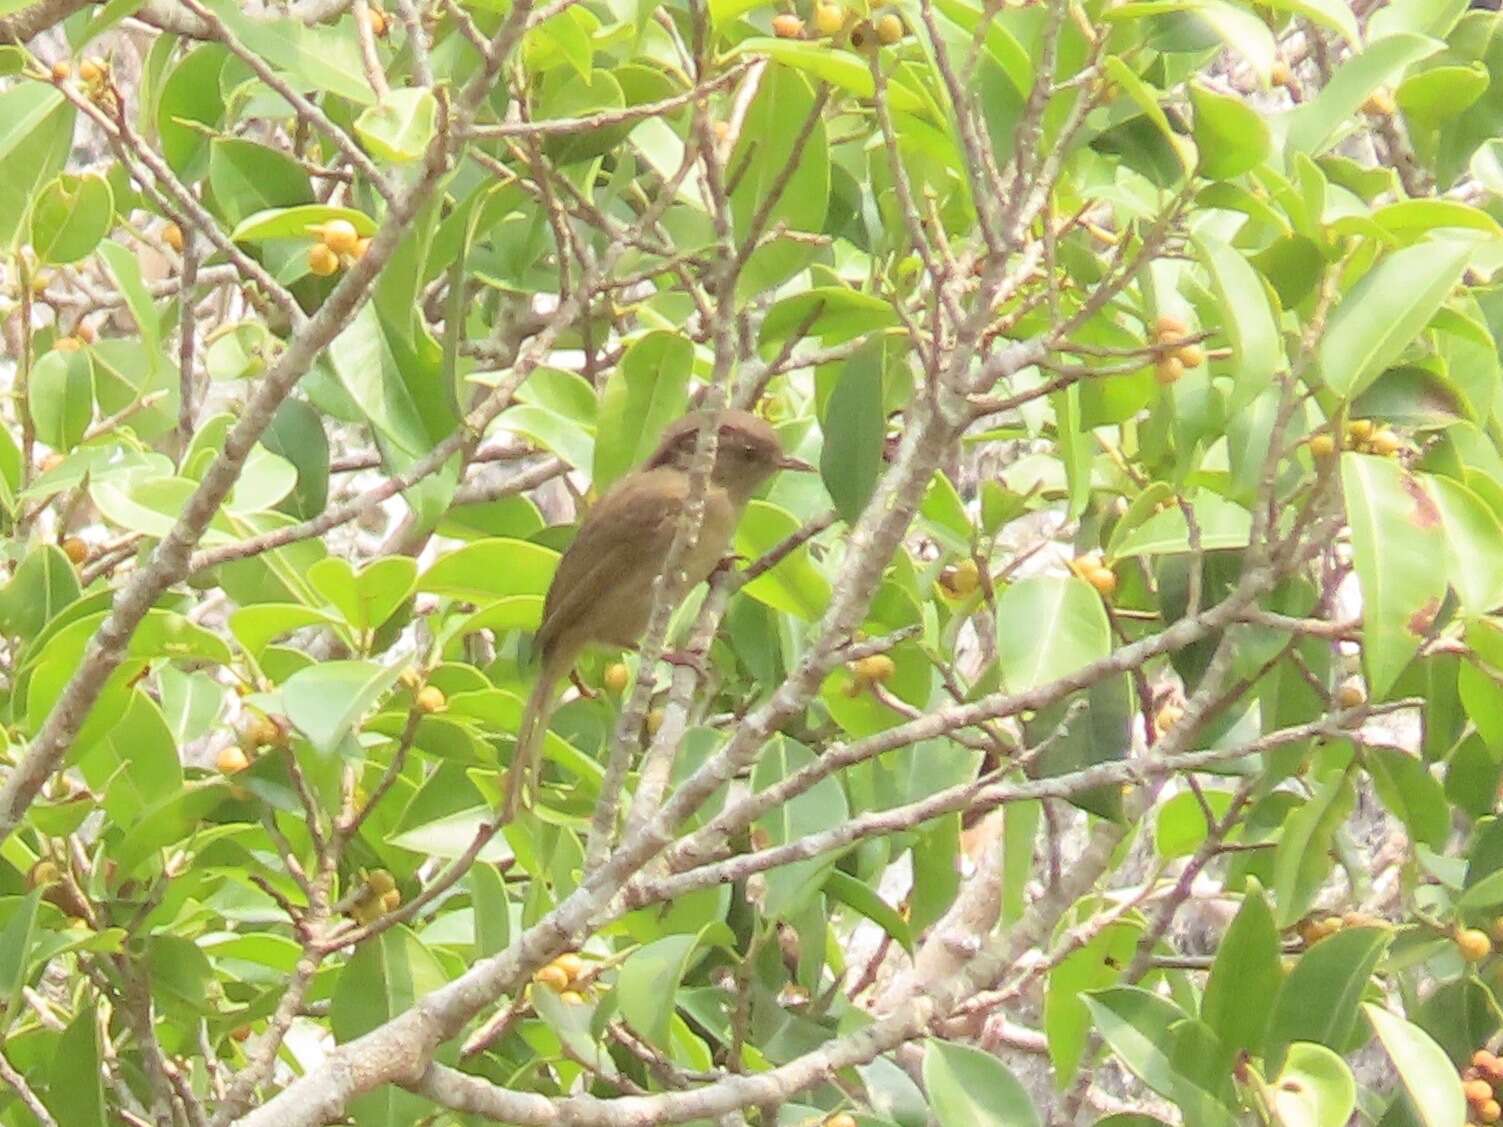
x=1148, y=354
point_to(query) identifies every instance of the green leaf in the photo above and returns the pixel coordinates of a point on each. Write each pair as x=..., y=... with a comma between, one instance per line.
x=1334, y=14
x=1093, y=966
x=1243, y=300
x=795, y=586
x=971, y=1088
x=1135, y=1023
x=1314, y=126
x=1302, y=858
x=369, y=597
x=1412, y=794
x=841, y=69
x=790, y=887
x=1245, y=977
x=763, y=151
x=492, y=910
x=1315, y=1088
x=1393, y=521
x=646, y=392
x=70, y=216
x=855, y=427
x=44, y=583
x=16, y=939
x=327, y=701
x=62, y=398
x=1180, y=825
x=1222, y=524
x=297, y=222
x=1239, y=29
x=400, y=127
x=1230, y=136
x=190, y=108
x=317, y=57
x=861, y=897
x=143, y=308
x=487, y=570
x=247, y=178
x=75, y=1092
x=36, y=135
x=1433, y=95
x=648, y=984
x=1427, y=1074
x=1320, y=996
x=1474, y=544
x=1048, y=627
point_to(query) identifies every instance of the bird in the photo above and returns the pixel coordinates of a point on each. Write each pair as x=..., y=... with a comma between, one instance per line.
x=602, y=591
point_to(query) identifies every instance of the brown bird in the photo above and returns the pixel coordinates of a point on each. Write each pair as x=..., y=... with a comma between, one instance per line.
x=602, y=591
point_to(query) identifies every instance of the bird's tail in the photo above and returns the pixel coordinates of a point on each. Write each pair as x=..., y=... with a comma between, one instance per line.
x=521, y=779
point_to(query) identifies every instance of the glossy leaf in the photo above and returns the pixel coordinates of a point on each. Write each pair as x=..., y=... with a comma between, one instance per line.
x=971, y=1088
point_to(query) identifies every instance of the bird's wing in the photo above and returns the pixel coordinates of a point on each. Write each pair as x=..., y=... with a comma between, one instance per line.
x=626, y=533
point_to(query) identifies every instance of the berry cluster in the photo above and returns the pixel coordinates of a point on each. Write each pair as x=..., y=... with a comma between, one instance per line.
x=1094, y=571
x=566, y=976
x=1478, y=1082
x=1363, y=436
x=338, y=242
x=1174, y=350
x=835, y=21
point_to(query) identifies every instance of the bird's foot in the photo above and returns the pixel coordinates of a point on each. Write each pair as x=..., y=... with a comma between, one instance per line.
x=689, y=659
x=584, y=690
x=728, y=563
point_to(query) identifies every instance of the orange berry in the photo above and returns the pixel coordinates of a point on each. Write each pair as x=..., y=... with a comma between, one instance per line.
x=76, y=550
x=172, y=235
x=1169, y=327
x=572, y=965
x=1104, y=579
x=552, y=977
x=378, y=23
x=1490, y=1111
x=51, y=462
x=1379, y=103
x=67, y=344
x=616, y=677
x=240, y=1033
x=430, y=699
x=62, y=70
x=1473, y=944
x=321, y=260
x=874, y=670
x=841, y=1119
x=92, y=70
x=339, y=235
x=361, y=246
x=1281, y=74
x=1168, y=370
x=1478, y=1090
x=788, y=26
x=231, y=760
x=1484, y=1060
x=1192, y=356
x=85, y=332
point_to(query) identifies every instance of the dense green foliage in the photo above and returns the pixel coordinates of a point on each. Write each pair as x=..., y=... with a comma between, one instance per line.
x=1112, y=727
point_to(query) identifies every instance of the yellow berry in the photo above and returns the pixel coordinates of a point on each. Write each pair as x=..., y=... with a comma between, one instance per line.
x=76, y=550
x=890, y=29
x=391, y=901
x=571, y=998
x=1386, y=444
x=430, y=699
x=962, y=579
x=84, y=332
x=1168, y=716
x=828, y=19
x=321, y=260
x=361, y=246
x=572, y=965
x=1168, y=327
x=841, y=1119
x=262, y=731
x=1379, y=103
x=91, y=70
x=616, y=677
x=1478, y=1091
x=1281, y=74
x=1104, y=579
x=380, y=881
x=874, y=670
x=1473, y=944
x=61, y=70
x=340, y=236
x=67, y=344
x=1192, y=356
x=1322, y=446
x=1360, y=430
x=788, y=26
x=1351, y=694
x=1168, y=370
x=552, y=977
x=378, y=23
x=1490, y=1111
x=653, y=722
x=231, y=760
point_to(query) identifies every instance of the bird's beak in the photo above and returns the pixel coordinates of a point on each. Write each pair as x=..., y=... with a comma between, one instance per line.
x=788, y=462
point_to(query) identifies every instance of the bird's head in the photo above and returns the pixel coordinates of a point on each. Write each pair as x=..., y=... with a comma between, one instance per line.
x=747, y=451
